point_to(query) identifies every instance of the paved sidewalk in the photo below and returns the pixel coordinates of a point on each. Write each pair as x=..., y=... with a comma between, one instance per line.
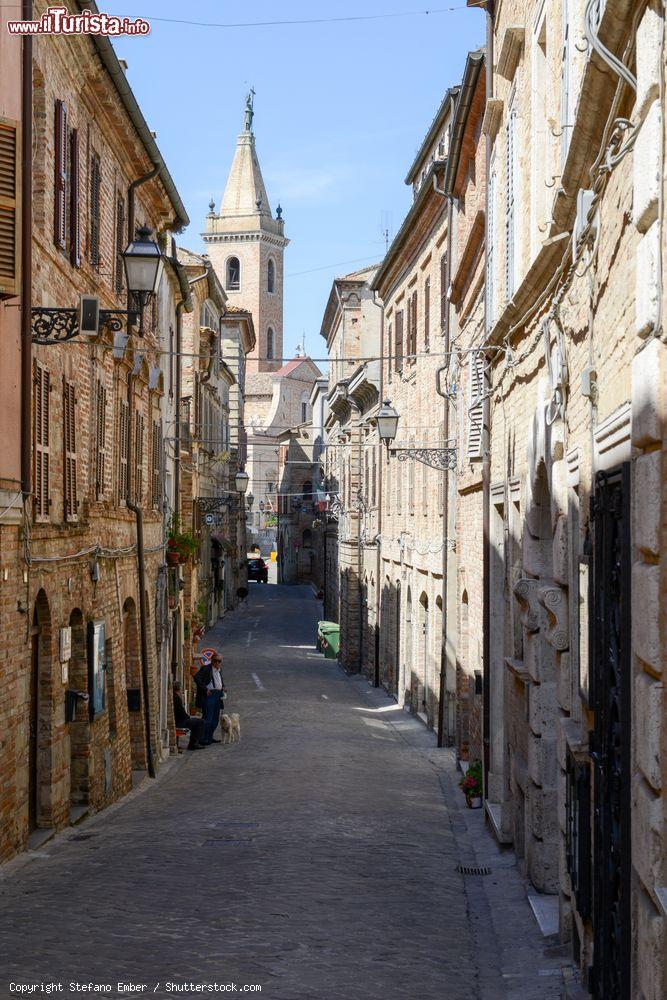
x=316, y=858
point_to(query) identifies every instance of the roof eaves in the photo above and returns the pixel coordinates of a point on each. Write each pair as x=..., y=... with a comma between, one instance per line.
x=436, y=124
x=473, y=67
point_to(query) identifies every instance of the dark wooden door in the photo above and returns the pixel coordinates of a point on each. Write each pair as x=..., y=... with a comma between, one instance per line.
x=611, y=688
x=32, y=732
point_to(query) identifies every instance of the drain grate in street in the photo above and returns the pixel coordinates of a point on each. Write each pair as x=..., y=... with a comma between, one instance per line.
x=82, y=836
x=473, y=869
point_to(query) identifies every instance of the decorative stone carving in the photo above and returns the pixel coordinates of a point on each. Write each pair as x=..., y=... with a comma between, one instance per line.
x=526, y=592
x=554, y=600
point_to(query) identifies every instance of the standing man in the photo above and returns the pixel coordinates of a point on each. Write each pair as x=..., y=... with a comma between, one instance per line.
x=210, y=687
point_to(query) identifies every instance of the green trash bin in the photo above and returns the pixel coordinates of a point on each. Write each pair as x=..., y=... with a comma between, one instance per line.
x=331, y=643
x=324, y=630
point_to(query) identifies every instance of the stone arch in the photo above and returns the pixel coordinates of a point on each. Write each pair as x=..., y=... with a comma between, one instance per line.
x=397, y=672
x=44, y=810
x=79, y=728
x=132, y=671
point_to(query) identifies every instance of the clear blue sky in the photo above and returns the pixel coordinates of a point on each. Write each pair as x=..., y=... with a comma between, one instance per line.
x=339, y=114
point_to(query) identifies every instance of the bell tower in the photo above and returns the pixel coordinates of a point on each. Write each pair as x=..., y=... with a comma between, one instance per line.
x=246, y=244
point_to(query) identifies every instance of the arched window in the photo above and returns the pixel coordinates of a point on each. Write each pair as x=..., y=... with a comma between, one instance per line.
x=304, y=407
x=233, y=282
x=270, y=345
x=307, y=490
x=271, y=276
x=307, y=538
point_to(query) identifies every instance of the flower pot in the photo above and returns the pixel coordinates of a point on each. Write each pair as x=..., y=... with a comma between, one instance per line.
x=173, y=557
x=172, y=602
x=182, y=559
x=474, y=801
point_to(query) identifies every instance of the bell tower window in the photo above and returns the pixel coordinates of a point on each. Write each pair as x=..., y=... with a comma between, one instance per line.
x=270, y=344
x=233, y=282
x=271, y=276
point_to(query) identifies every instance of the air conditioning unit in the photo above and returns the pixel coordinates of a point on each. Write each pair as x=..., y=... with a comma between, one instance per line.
x=89, y=315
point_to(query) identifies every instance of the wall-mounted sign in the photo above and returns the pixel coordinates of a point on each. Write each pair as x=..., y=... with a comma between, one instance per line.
x=96, y=667
x=209, y=519
x=65, y=644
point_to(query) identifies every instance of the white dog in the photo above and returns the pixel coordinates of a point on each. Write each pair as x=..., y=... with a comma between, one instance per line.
x=235, y=727
x=226, y=728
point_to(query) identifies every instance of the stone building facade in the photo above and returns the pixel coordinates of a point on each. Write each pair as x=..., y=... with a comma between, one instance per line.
x=463, y=378
x=352, y=329
x=300, y=506
x=412, y=283
x=575, y=365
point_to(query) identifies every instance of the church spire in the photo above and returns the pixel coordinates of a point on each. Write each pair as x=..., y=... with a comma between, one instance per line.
x=245, y=193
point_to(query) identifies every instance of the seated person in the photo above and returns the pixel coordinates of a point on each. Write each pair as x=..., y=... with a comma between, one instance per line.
x=185, y=721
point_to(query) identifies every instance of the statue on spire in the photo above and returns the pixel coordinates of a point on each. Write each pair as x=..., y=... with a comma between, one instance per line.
x=249, y=109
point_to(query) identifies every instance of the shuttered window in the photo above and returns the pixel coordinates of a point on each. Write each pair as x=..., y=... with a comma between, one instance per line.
x=60, y=180
x=120, y=246
x=42, y=456
x=476, y=365
x=138, y=458
x=390, y=348
x=95, y=181
x=399, y=486
x=100, y=439
x=411, y=481
x=74, y=202
x=156, y=465
x=412, y=345
x=70, y=499
x=427, y=314
x=122, y=450
x=9, y=207
x=443, y=291
x=398, y=343
x=491, y=243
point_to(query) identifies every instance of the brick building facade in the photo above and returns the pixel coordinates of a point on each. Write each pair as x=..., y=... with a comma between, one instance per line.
x=74, y=618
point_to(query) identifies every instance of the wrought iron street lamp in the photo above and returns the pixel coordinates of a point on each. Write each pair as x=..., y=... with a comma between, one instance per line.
x=387, y=422
x=241, y=481
x=143, y=263
x=436, y=458
x=143, y=269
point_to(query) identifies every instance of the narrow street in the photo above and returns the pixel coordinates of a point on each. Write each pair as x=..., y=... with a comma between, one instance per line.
x=316, y=858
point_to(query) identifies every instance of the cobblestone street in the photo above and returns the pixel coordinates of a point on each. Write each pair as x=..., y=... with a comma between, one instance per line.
x=317, y=858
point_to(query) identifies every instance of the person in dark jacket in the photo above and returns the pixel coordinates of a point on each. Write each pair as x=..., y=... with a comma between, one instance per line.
x=185, y=721
x=210, y=691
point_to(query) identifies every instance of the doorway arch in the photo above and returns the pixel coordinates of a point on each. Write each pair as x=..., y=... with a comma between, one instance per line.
x=40, y=720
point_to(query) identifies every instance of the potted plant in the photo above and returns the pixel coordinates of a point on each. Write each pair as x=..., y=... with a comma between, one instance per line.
x=180, y=544
x=471, y=785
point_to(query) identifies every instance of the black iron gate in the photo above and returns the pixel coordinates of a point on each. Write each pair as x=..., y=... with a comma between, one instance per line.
x=610, y=692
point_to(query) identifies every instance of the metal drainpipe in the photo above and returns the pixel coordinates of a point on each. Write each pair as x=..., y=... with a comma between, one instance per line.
x=26, y=258
x=136, y=510
x=486, y=462
x=445, y=511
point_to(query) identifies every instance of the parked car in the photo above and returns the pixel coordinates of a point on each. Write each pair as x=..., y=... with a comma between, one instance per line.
x=258, y=570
